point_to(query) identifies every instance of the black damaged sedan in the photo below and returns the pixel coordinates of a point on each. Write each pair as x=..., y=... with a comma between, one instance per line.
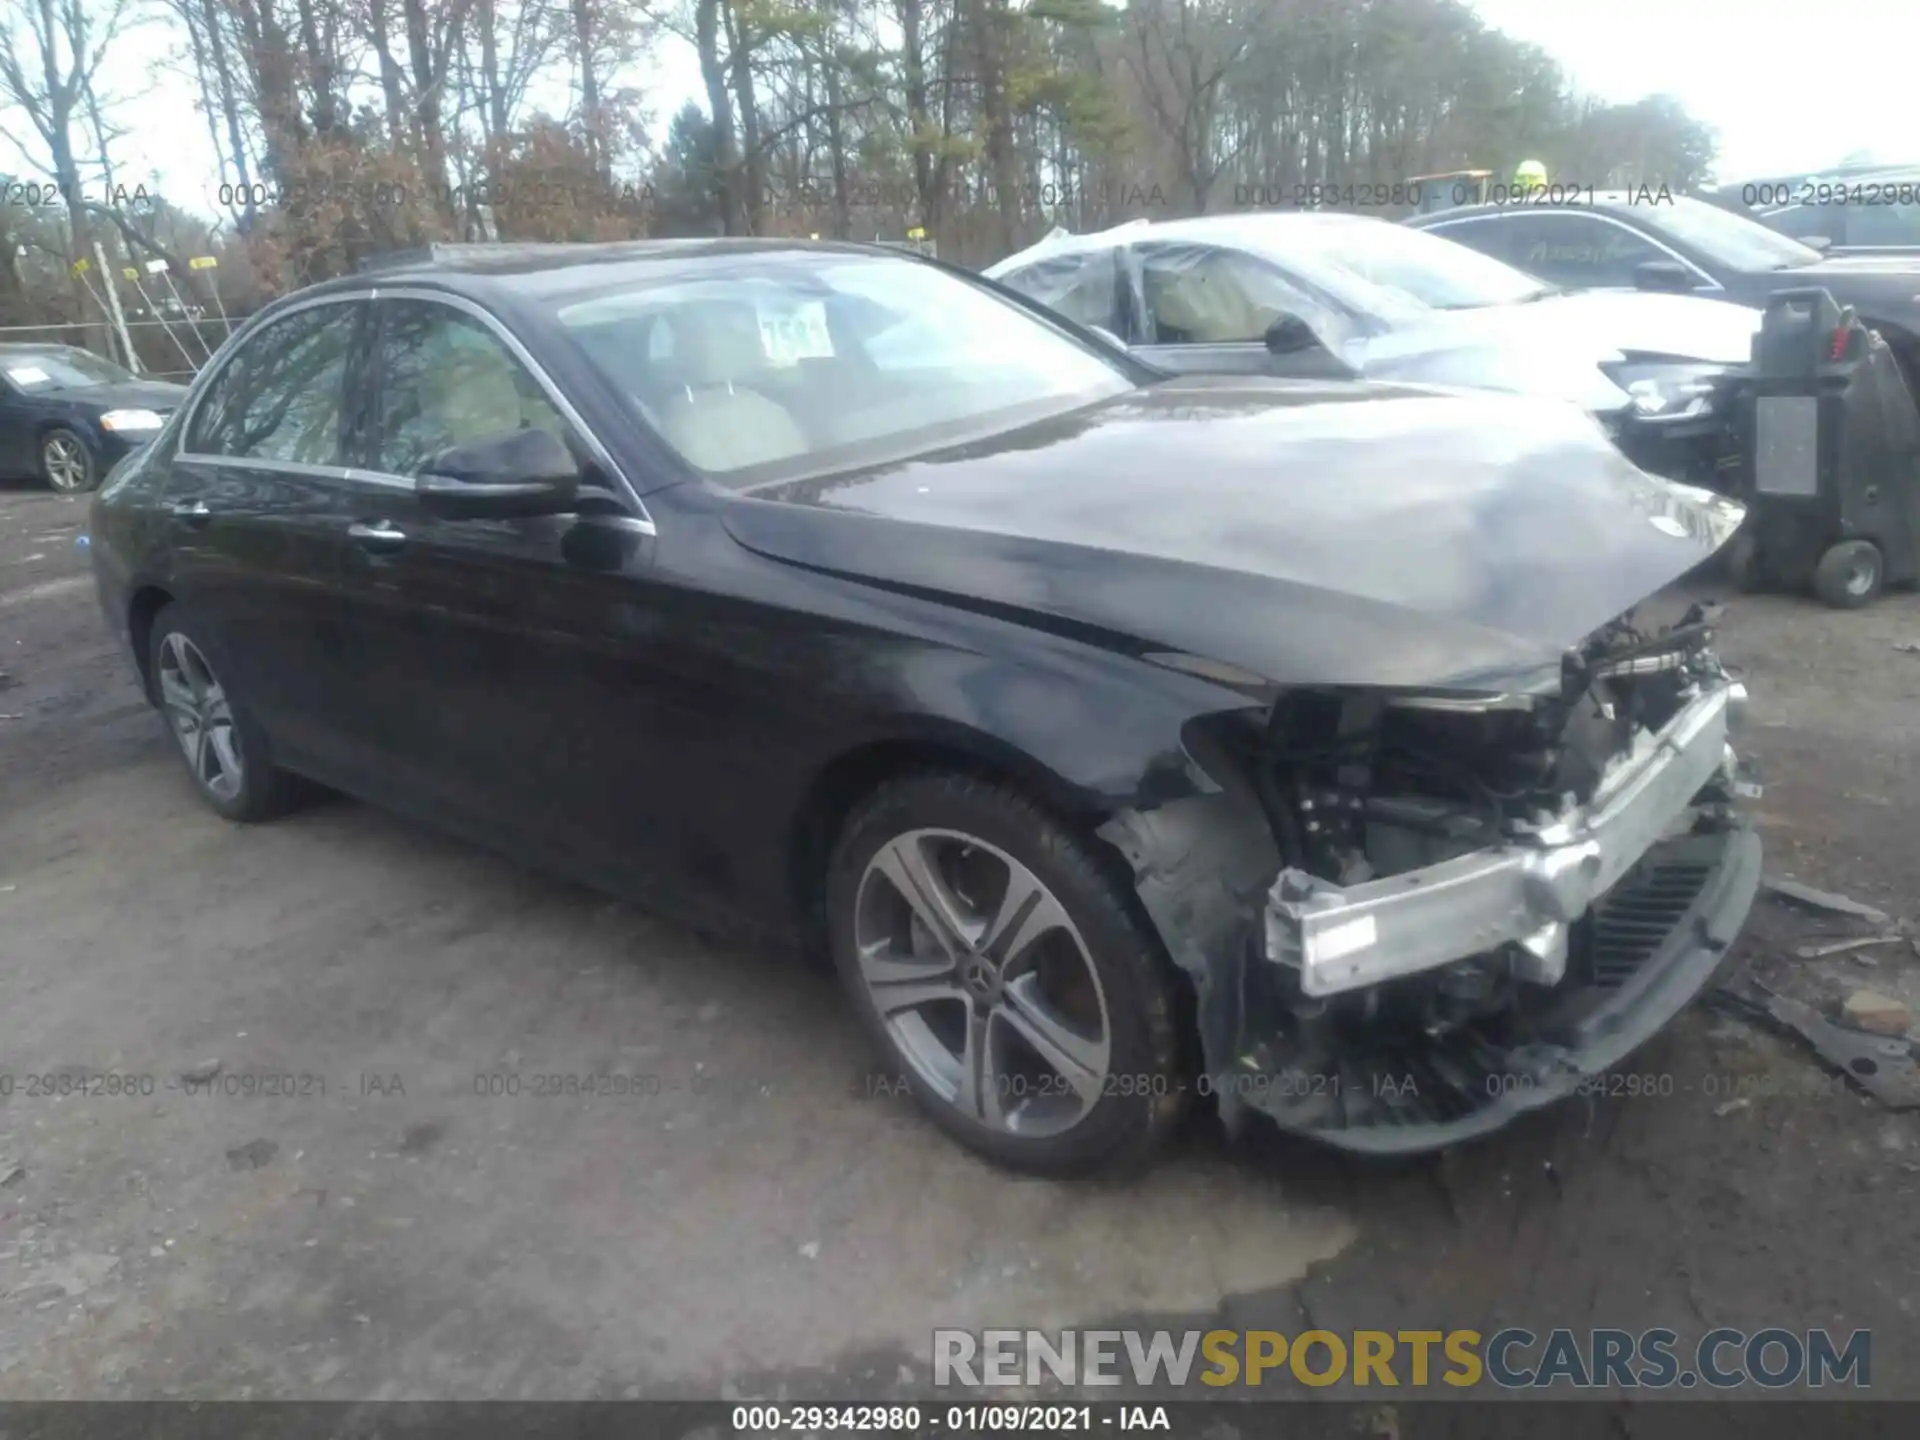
x=1306, y=747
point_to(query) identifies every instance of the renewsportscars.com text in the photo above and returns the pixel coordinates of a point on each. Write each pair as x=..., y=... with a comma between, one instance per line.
x=1510, y=1359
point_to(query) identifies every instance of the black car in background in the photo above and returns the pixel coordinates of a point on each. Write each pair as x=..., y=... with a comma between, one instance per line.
x=1122, y=737
x=1679, y=243
x=1875, y=212
x=66, y=415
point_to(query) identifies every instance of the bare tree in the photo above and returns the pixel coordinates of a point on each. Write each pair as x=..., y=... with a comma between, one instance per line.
x=52, y=57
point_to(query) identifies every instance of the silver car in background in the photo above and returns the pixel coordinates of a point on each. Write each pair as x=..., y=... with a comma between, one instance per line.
x=1316, y=295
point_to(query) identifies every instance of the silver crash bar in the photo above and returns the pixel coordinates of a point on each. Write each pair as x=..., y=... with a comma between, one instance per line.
x=1526, y=892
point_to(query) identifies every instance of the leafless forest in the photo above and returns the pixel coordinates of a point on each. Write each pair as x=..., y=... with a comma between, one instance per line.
x=347, y=127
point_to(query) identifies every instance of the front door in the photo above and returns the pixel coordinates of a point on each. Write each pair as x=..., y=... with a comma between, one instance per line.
x=504, y=662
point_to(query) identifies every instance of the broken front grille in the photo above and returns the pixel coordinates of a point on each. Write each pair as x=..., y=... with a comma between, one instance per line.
x=1632, y=920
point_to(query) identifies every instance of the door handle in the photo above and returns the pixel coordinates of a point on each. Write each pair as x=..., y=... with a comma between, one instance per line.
x=190, y=512
x=378, y=535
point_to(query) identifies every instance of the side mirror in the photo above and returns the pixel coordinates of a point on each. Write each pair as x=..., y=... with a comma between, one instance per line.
x=1669, y=276
x=1822, y=243
x=1290, y=333
x=507, y=476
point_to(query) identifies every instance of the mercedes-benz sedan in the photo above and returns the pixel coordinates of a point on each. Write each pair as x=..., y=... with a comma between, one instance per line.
x=1124, y=740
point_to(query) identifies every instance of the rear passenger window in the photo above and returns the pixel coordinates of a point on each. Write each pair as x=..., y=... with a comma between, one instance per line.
x=279, y=397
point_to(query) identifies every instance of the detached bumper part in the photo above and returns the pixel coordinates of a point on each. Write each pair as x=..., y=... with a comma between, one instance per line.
x=1526, y=893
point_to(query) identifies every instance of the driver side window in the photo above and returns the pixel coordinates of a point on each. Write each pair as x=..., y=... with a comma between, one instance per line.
x=1199, y=295
x=445, y=379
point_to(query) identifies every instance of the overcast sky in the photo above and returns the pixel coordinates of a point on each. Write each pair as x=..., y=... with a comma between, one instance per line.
x=1788, y=84
x=1773, y=77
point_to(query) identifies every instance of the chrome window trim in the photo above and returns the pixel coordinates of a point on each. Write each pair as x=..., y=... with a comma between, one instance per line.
x=296, y=468
x=1652, y=240
x=642, y=521
x=534, y=368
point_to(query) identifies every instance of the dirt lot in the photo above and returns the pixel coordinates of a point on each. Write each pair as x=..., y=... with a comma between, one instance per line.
x=382, y=1228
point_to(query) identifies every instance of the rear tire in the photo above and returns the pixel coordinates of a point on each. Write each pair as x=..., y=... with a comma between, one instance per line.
x=1850, y=574
x=1025, y=1005
x=216, y=736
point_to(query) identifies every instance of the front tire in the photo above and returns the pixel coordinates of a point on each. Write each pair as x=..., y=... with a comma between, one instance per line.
x=1005, y=975
x=67, y=462
x=223, y=747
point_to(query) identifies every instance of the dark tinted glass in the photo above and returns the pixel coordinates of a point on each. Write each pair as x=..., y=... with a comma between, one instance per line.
x=1578, y=251
x=446, y=379
x=279, y=397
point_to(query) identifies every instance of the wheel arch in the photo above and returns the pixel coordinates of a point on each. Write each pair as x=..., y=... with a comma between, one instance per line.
x=48, y=424
x=839, y=786
x=143, y=606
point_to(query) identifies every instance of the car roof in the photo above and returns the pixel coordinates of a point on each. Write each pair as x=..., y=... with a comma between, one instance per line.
x=1246, y=225
x=1610, y=201
x=546, y=268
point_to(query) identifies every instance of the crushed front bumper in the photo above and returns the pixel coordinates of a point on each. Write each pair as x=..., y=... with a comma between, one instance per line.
x=1527, y=893
x=1564, y=1059
x=1620, y=912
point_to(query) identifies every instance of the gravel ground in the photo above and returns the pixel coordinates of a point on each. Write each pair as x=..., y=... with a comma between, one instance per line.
x=374, y=1225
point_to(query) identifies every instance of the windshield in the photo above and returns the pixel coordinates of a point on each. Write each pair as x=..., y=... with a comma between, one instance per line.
x=61, y=369
x=1732, y=240
x=776, y=365
x=1387, y=269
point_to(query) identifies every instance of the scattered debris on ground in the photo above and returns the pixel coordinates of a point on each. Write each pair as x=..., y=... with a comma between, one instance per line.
x=252, y=1155
x=1812, y=899
x=1841, y=947
x=1879, y=1064
x=1879, y=1014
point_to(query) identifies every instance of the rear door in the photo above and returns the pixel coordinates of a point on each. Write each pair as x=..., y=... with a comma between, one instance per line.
x=1205, y=309
x=257, y=505
x=501, y=661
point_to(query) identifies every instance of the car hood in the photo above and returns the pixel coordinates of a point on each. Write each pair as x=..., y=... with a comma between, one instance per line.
x=1556, y=345
x=1880, y=264
x=1884, y=287
x=1300, y=533
x=125, y=395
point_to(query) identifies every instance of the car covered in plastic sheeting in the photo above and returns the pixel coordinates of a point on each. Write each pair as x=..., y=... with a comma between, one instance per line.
x=1318, y=295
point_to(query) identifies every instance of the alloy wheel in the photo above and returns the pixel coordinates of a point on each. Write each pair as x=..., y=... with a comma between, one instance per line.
x=66, y=463
x=200, y=716
x=983, y=982
x=1863, y=575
